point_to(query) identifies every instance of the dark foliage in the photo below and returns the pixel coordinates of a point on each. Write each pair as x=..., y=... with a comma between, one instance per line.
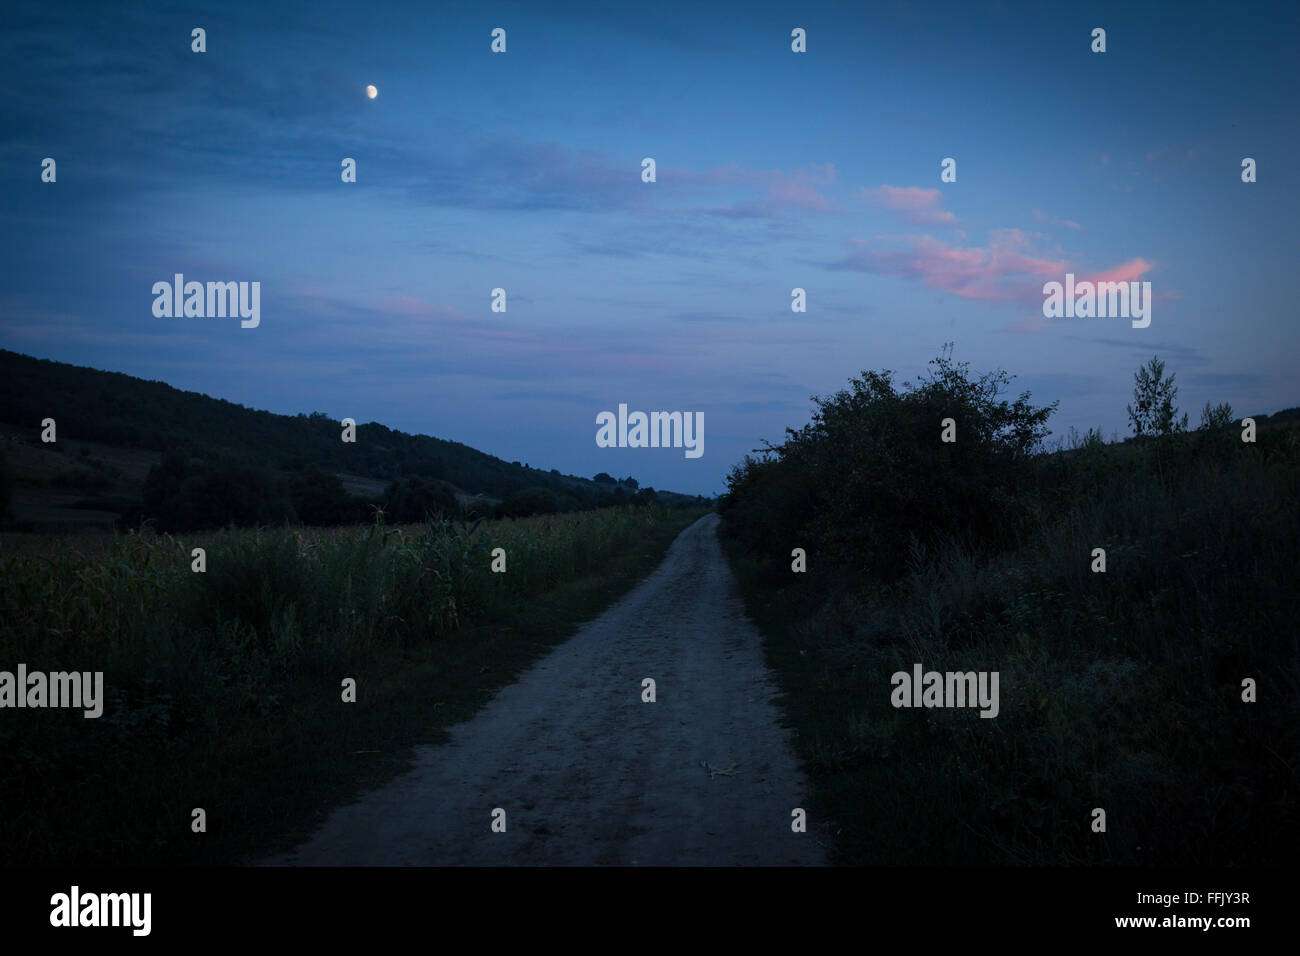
x=415, y=499
x=6, y=487
x=192, y=494
x=530, y=501
x=870, y=475
x=319, y=499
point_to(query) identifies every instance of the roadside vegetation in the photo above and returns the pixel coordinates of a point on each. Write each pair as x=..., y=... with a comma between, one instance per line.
x=1120, y=690
x=224, y=688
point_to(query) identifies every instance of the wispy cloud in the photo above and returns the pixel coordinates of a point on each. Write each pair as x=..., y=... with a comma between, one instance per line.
x=915, y=205
x=1000, y=270
x=1043, y=217
x=539, y=395
x=1127, y=272
x=784, y=192
x=699, y=316
x=1177, y=353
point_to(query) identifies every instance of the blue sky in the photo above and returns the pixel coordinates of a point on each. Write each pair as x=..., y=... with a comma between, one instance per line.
x=775, y=170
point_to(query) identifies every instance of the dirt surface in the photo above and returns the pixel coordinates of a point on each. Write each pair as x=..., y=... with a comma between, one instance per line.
x=588, y=773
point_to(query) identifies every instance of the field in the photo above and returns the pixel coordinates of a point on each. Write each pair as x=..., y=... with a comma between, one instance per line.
x=224, y=688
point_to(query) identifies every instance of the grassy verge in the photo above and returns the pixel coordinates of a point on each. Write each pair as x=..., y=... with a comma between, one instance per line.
x=827, y=692
x=224, y=688
x=1119, y=690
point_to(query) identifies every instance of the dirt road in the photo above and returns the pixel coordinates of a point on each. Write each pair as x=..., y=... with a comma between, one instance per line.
x=589, y=774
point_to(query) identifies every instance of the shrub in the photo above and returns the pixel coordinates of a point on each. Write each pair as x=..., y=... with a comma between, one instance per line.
x=414, y=499
x=869, y=473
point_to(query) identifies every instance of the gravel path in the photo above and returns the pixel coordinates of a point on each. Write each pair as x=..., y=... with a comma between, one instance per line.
x=586, y=772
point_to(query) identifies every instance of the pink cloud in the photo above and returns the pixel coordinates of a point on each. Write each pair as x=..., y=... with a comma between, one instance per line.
x=801, y=194
x=916, y=205
x=1127, y=272
x=1005, y=269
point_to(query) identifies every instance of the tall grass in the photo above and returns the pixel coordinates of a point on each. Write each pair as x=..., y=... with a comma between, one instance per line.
x=213, y=666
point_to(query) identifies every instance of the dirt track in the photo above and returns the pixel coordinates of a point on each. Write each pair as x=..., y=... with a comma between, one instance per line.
x=587, y=773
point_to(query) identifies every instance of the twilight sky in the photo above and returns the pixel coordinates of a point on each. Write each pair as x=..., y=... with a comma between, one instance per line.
x=775, y=170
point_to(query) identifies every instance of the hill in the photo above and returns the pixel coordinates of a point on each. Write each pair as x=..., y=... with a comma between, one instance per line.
x=128, y=447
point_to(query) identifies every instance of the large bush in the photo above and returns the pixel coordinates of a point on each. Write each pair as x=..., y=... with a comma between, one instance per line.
x=870, y=477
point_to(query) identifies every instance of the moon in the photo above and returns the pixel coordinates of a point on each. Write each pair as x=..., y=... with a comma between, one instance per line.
x=371, y=92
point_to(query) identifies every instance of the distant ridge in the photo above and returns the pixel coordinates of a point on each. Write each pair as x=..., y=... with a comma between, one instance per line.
x=121, y=410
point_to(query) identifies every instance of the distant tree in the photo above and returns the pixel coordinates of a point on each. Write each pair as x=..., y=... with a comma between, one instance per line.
x=1153, y=411
x=6, y=487
x=163, y=484
x=1092, y=438
x=1215, y=417
x=529, y=501
x=193, y=494
x=630, y=482
x=604, y=478
x=319, y=499
x=415, y=499
x=567, y=501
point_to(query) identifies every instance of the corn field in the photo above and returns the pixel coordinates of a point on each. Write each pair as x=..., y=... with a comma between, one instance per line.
x=205, y=669
x=290, y=587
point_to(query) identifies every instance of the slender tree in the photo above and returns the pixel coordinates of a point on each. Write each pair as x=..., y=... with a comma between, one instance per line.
x=1215, y=416
x=1153, y=411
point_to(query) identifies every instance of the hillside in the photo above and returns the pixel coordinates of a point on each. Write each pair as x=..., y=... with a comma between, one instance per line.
x=113, y=429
